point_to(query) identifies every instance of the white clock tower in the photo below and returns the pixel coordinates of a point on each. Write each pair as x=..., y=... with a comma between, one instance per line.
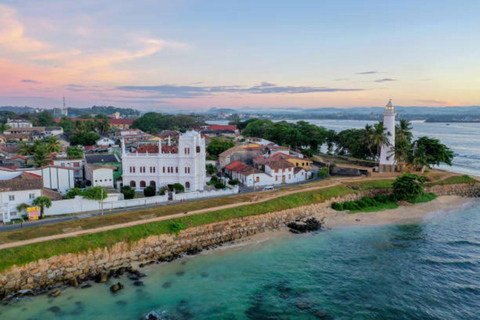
x=387, y=156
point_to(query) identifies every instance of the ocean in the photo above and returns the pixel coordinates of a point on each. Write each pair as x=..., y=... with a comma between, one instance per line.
x=429, y=269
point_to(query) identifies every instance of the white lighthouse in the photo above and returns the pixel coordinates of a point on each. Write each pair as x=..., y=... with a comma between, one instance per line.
x=387, y=156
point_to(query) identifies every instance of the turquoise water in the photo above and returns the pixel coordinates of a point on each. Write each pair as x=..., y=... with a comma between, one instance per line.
x=425, y=270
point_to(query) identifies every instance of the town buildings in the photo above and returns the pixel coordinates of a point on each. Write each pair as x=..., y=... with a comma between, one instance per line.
x=166, y=164
x=19, y=123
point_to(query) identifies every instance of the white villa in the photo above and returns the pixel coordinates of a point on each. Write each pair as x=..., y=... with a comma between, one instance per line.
x=163, y=165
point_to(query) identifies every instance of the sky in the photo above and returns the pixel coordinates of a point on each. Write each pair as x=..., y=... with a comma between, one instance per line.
x=194, y=55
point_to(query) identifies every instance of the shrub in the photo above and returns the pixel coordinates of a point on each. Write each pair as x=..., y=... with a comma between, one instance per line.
x=149, y=191
x=382, y=199
x=163, y=191
x=176, y=227
x=219, y=185
x=178, y=187
x=72, y=193
x=214, y=178
x=95, y=193
x=211, y=169
x=333, y=165
x=233, y=182
x=323, y=173
x=337, y=206
x=128, y=192
x=408, y=186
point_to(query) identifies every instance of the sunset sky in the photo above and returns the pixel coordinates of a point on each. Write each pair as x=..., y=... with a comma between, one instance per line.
x=167, y=55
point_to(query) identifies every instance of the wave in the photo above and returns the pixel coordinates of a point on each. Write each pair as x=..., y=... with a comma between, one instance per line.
x=463, y=242
x=452, y=262
x=467, y=156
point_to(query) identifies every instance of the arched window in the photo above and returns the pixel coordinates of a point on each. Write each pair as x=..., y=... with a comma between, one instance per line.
x=143, y=184
x=187, y=185
x=133, y=184
x=152, y=183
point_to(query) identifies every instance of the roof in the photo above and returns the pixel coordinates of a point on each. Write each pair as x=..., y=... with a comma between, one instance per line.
x=281, y=164
x=101, y=158
x=216, y=127
x=153, y=148
x=228, y=152
x=97, y=167
x=251, y=170
x=287, y=156
x=297, y=170
x=24, y=181
x=26, y=129
x=236, y=166
x=168, y=133
x=121, y=121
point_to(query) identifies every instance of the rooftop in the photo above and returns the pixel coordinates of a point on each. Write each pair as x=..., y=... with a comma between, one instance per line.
x=101, y=158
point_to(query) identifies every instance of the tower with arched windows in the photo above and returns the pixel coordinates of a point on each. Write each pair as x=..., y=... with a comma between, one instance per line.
x=387, y=154
x=165, y=164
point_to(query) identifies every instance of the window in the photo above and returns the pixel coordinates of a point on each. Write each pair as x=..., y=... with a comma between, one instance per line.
x=152, y=169
x=198, y=149
x=132, y=169
x=152, y=183
x=11, y=197
x=143, y=184
x=132, y=184
x=187, y=185
x=289, y=176
x=187, y=169
x=257, y=179
x=187, y=150
x=31, y=196
x=276, y=178
x=276, y=170
x=163, y=169
x=176, y=169
x=142, y=169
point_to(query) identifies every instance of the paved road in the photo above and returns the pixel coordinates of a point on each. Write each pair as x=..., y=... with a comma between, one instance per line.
x=51, y=220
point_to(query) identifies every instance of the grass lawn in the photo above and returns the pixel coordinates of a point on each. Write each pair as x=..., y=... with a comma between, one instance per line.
x=380, y=207
x=452, y=180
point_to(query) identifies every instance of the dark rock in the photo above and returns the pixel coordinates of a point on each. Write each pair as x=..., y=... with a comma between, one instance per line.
x=320, y=313
x=309, y=225
x=167, y=285
x=304, y=304
x=138, y=283
x=204, y=275
x=122, y=303
x=116, y=287
x=133, y=277
x=180, y=273
x=88, y=285
x=102, y=277
x=74, y=282
x=120, y=271
x=153, y=316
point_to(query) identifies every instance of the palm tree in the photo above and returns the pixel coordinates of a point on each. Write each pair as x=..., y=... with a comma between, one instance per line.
x=379, y=137
x=25, y=149
x=403, y=131
x=42, y=202
x=52, y=145
x=40, y=157
x=367, y=139
x=3, y=127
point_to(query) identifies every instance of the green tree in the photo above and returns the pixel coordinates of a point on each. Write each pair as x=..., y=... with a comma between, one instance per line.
x=67, y=124
x=25, y=149
x=44, y=119
x=179, y=188
x=403, y=131
x=40, y=157
x=218, y=145
x=149, y=191
x=3, y=127
x=95, y=193
x=257, y=128
x=128, y=192
x=22, y=207
x=407, y=187
x=75, y=152
x=42, y=202
x=84, y=139
x=432, y=152
x=52, y=145
x=211, y=169
x=378, y=137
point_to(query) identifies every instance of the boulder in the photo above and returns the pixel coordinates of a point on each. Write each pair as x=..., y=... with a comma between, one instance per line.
x=116, y=287
x=55, y=293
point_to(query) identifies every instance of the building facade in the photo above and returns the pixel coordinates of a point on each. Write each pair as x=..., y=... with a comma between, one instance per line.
x=164, y=165
x=387, y=156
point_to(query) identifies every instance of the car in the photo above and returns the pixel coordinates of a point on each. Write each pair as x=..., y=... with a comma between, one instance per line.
x=268, y=188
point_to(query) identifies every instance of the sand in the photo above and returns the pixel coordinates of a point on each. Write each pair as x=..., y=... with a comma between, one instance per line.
x=402, y=215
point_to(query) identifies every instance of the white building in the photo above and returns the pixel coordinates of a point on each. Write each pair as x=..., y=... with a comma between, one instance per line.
x=15, y=190
x=56, y=178
x=283, y=171
x=99, y=176
x=105, y=142
x=163, y=165
x=387, y=156
x=19, y=123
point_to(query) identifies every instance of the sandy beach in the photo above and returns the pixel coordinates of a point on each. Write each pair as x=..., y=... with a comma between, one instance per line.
x=403, y=214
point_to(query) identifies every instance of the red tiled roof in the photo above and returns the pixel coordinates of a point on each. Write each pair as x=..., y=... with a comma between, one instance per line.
x=281, y=164
x=33, y=174
x=150, y=148
x=236, y=166
x=250, y=170
x=216, y=127
x=121, y=121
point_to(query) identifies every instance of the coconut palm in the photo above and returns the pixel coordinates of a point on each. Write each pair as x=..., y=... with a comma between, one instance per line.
x=40, y=157
x=403, y=131
x=52, y=145
x=42, y=202
x=25, y=149
x=378, y=137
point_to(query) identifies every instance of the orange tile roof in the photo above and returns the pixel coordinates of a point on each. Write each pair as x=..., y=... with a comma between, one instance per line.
x=236, y=166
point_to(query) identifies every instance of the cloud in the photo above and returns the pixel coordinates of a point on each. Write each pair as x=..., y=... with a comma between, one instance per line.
x=385, y=80
x=367, y=72
x=341, y=79
x=432, y=101
x=12, y=33
x=30, y=81
x=173, y=91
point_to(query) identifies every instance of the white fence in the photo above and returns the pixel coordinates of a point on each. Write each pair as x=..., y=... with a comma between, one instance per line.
x=205, y=194
x=79, y=204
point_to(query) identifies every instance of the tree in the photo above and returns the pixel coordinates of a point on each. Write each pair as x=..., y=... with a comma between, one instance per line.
x=218, y=145
x=128, y=192
x=95, y=193
x=149, y=191
x=233, y=182
x=52, y=145
x=3, y=127
x=407, y=187
x=378, y=137
x=22, y=207
x=40, y=157
x=431, y=152
x=42, y=202
x=75, y=152
x=153, y=122
x=25, y=149
x=211, y=169
x=179, y=188
x=84, y=139
x=256, y=128
x=323, y=173
x=403, y=131
x=43, y=119
x=67, y=124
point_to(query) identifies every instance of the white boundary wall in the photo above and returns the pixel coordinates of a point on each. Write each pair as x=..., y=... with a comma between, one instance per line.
x=79, y=204
x=205, y=194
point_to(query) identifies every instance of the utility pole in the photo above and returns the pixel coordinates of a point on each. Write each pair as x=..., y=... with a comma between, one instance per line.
x=102, y=201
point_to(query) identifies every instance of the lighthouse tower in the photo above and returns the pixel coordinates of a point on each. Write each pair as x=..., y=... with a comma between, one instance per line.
x=387, y=156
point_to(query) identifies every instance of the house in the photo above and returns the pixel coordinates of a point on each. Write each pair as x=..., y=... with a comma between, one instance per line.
x=132, y=136
x=53, y=131
x=57, y=178
x=284, y=171
x=17, y=137
x=19, y=123
x=166, y=164
x=304, y=163
x=16, y=189
x=105, y=142
x=99, y=175
x=172, y=134
x=243, y=153
x=25, y=130
x=120, y=124
x=109, y=160
x=247, y=175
